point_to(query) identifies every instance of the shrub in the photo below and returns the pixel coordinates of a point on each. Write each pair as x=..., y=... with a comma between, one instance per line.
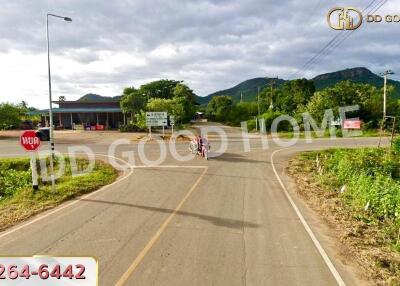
x=396, y=146
x=130, y=128
x=251, y=124
x=371, y=177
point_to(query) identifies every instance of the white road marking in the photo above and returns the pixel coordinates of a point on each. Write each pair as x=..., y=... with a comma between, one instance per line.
x=57, y=209
x=168, y=166
x=64, y=206
x=142, y=254
x=317, y=244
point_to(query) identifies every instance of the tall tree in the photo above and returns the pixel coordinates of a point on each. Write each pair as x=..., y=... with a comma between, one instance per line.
x=293, y=94
x=132, y=101
x=219, y=107
x=185, y=96
x=163, y=88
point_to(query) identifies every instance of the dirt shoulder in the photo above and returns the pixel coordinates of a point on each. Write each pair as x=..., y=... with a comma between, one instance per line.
x=360, y=241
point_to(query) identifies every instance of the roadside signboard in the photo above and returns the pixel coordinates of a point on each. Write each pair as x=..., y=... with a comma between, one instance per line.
x=156, y=115
x=29, y=141
x=155, y=122
x=337, y=122
x=352, y=124
x=154, y=119
x=172, y=120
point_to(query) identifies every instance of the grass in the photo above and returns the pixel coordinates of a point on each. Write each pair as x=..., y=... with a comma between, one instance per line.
x=365, y=133
x=18, y=200
x=371, y=177
x=358, y=191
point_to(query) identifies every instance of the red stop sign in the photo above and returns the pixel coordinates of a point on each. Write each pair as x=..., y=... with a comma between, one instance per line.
x=29, y=140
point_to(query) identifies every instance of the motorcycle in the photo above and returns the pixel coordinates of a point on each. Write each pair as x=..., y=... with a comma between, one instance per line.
x=203, y=151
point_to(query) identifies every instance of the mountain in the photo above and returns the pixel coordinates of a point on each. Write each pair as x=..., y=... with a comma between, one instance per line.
x=358, y=74
x=248, y=88
x=97, y=98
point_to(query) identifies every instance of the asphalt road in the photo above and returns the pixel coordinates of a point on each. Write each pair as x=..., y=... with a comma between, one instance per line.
x=233, y=220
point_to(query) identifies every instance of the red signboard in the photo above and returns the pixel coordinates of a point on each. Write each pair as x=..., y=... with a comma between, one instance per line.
x=29, y=140
x=99, y=127
x=352, y=124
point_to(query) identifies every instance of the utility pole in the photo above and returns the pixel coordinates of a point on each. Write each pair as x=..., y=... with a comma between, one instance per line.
x=272, y=82
x=241, y=96
x=258, y=100
x=385, y=74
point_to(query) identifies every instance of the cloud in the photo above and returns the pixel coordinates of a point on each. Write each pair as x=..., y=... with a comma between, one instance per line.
x=211, y=45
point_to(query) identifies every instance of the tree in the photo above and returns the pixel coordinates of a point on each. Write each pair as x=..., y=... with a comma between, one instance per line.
x=242, y=111
x=162, y=95
x=185, y=96
x=317, y=105
x=160, y=105
x=172, y=106
x=219, y=107
x=159, y=89
x=293, y=94
x=10, y=115
x=132, y=101
x=346, y=93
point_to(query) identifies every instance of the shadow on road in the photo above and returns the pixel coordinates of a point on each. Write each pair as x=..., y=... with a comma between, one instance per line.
x=180, y=172
x=224, y=222
x=236, y=158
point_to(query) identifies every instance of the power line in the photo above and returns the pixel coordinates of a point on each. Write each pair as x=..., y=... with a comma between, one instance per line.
x=335, y=45
x=373, y=10
x=332, y=44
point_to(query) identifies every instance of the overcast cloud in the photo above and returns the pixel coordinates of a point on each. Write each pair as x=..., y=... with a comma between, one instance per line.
x=211, y=45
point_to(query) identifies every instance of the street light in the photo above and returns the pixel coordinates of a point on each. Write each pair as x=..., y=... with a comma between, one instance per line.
x=51, y=133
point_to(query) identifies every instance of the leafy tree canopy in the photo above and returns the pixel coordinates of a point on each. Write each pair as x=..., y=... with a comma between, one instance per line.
x=162, y=95
x=11, y=115
x=219, y=107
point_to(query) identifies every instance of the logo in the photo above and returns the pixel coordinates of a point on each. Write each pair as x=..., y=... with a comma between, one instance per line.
x=344, y=18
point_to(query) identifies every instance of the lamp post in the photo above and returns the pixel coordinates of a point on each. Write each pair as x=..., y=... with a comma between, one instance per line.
x=51, y=133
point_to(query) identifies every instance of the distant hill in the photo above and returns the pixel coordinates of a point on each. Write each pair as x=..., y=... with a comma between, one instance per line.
x=96, y=97
x=359, y=75
x=249, y=87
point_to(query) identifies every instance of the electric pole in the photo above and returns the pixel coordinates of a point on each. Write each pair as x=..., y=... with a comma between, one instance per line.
x=258, y=100
x=241, y=96
x=385, y=74
x=272, y=82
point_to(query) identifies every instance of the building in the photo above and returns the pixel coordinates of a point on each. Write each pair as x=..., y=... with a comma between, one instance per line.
x=93, y=114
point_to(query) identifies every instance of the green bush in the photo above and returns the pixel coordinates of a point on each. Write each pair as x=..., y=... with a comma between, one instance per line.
x=130, y=128
x=269, y=118
x=12, y=181
x=15, y=174
x=396, y=146
x=251, y=124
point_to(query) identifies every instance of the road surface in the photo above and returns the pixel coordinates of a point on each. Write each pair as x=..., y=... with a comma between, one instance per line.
x=234, y=220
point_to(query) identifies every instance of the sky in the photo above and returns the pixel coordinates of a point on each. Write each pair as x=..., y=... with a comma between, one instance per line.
x=210, y=45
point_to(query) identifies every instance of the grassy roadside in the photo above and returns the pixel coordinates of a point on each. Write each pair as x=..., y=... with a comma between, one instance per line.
x=358, y=193
x=365, y=133
x=18, y=201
